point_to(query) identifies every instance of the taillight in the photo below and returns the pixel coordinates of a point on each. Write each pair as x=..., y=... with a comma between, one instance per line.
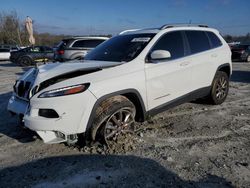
x=60, y=52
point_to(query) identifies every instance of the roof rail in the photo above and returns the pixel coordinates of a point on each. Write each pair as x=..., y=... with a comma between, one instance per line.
x=166, y=26
x=130, y=30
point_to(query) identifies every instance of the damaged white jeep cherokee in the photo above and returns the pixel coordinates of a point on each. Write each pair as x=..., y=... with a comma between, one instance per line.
x=132, y=75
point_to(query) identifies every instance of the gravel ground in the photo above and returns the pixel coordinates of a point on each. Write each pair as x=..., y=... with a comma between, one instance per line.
x=192, y=145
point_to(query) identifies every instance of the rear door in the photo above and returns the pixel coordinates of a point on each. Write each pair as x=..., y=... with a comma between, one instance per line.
x=170, y=79
x=204, y=58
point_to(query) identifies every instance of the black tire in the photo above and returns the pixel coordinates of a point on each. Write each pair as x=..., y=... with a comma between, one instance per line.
x=248, y=59
x=219, y=90
x=25, y=61
x=106, y=121
x=78, y=58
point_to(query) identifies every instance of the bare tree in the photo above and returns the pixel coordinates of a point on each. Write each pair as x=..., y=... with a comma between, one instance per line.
x=10, y=28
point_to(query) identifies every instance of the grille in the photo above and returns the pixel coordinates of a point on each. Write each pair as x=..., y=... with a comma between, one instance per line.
x=22, y=89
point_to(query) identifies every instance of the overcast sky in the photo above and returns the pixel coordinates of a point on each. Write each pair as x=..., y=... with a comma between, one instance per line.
x=81, y=17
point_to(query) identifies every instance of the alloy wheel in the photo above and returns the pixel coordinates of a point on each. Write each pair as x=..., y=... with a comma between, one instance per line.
x=119, y=123
x=221, y=88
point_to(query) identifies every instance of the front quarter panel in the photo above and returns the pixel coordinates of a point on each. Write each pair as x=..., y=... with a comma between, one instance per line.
x=71, y=109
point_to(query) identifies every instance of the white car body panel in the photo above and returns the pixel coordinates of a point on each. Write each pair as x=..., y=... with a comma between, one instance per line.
x=157, y=84
x=4, y=55
x=167, y=81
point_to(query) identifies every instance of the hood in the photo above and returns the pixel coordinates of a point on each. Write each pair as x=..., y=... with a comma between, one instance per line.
x=48, y=71
x=49, y=74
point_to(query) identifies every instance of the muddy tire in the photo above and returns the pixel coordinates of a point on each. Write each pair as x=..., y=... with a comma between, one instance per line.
x=25, y=61
x=114, y=117
x=219, y=90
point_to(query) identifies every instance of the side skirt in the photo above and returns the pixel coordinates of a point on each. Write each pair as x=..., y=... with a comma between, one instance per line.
x=199, y=93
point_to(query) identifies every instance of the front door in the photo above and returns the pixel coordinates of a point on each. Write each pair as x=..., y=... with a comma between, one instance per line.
x=168, y=79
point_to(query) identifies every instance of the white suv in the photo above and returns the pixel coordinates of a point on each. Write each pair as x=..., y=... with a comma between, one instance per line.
x=125, y=79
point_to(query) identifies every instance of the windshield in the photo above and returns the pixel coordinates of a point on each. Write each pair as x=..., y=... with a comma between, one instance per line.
x=122, y=48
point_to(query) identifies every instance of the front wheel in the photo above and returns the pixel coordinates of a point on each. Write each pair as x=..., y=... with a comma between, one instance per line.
x=114, y=117
x=25, y=61
x=220, y=87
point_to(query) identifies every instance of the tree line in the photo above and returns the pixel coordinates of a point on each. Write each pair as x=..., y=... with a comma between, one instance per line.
x=12, y=31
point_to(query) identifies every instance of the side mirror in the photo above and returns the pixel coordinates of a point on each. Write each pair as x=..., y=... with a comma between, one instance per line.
x=160, y=55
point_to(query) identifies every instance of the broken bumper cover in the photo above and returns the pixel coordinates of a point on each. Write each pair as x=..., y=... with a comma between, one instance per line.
x=17, y=105
x=73, y=114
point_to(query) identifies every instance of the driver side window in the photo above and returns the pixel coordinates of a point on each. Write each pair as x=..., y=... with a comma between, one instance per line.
x=172, y=42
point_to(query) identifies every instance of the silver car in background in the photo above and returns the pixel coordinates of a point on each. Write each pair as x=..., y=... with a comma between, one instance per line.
x=76, y=47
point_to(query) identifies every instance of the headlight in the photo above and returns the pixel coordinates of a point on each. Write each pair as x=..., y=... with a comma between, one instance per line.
x=65, y=91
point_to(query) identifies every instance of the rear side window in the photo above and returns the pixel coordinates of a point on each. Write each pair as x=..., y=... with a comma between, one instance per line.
x=215, y=41
x=198, y=41
x=87, y=43
x=172, y=42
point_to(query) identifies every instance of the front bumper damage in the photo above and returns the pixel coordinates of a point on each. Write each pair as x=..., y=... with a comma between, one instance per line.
x=17, y=105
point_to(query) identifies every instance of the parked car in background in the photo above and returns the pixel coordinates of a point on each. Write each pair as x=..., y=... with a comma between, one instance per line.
x=5, y=51
x=241, y=52
x=4, y=54
x=31, y=55
x=10, y=47
x=76, y=47
x=129, y=77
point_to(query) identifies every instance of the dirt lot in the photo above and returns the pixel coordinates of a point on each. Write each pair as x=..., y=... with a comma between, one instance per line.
x=192, y=145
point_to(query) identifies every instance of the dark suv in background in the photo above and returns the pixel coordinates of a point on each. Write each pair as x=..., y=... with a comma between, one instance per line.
x=241, y=52
x=76, y=47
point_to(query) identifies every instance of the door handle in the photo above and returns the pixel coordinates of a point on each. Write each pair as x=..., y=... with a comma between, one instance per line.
x=214, y=55
x=184, y=63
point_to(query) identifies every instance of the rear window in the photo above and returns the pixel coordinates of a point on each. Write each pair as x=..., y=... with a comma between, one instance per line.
x=87, y=43
x=215, y=41
x=4, y=50
x=198, y=41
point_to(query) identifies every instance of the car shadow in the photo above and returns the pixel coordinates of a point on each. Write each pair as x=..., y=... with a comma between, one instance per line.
x=240, y=76
x=4, y=63
x=10, y=125
x=99, y=171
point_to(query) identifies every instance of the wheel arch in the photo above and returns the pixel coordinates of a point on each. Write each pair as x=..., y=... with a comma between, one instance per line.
x=26, y=56
x=225, y=68
x=76, y=55
x=132, y=95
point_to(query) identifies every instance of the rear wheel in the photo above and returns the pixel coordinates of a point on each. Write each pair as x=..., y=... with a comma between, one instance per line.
x=25, y=61
x=114, y=118
x=78, y=58
x=220, y=87
x=248, y=59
